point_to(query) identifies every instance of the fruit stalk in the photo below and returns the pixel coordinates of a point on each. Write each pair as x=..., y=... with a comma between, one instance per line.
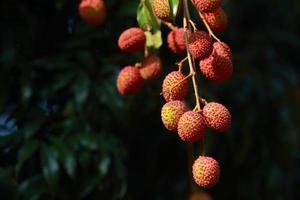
x=211, y=33
x=191, y=60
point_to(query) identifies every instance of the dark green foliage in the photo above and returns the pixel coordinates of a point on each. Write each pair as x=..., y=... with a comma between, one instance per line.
x=65, y=132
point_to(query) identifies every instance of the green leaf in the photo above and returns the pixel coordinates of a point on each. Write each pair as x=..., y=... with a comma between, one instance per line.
x=32, y=188
x=174, y=6
x=153, y=40
x=65, y=156
x=26, y=151
x=145, y=17
x=50, y=167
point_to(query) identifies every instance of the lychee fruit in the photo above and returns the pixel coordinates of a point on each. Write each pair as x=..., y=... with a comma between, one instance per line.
x=171, y=112
x=129, y=81
x=176, y=41
x=207, y=6
x=151, y=67
x=215, y=70
x=132, y=40
x=191, y=126
x=217, y=20
x=217, y=117
x=93, y=12
x=161, y=9
x=175, y=86
x=200, y=196
x=218, y=66
x=206, y=171
x=200, y=45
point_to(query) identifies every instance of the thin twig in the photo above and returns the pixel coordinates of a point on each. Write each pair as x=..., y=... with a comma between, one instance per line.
x=211, y=33
x=169, y=25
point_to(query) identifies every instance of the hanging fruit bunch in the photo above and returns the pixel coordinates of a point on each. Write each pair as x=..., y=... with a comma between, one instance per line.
x=203, y=53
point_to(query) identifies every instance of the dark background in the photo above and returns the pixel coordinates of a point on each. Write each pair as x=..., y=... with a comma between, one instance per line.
x=66, y=133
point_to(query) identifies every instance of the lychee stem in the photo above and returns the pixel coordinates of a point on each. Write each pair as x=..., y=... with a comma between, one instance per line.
x=193, y=25
x=180, y=64
x=211, y=33
x=187, y=26
x=169, y=25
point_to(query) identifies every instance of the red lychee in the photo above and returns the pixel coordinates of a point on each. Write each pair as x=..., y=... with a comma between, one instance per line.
x=200, y=45
x=151, y=67
x=207, y=6
x=218, y=66
x=206, y=171
x=171, y=112
x=132, y=40
x=129, y=81
x=191, y=126
x=93, y=12
x=217, y=20
x=176, y=41
x=174, y=87
x=217, y=117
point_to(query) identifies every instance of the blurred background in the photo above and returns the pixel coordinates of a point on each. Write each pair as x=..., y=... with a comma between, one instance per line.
x=66, y=133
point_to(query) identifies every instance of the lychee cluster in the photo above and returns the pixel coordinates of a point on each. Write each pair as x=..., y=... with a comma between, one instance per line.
x=214, y=59
x=131, y=78
x=215, y=63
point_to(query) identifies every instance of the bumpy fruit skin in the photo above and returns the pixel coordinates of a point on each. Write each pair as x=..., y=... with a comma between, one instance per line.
x=151, y=67
x=161, y=9
x=171, y=113
x=206, y=172
x=207, y=6
x=129, y=81
x=200, y=45
x=180, y=91
x=93, y=12
x=176, y=41
x=132, y=40
x=218, y=66
x=217, y=117
x=191, y=126
x=200, y=196
x=217, y=20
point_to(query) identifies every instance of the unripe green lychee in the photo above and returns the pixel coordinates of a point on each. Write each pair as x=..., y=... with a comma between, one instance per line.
x=191, y=126
x=174, y=87
x=93, y=12
x=217, y=117
x=206, y=172
x=207, y=6
x=218, y=66
x=176, y=41
x=161, y=9
x=217, y=20
x=171, y=112
x=129, y=81
x=151, y=67
x=132, y=40
x=200, y=45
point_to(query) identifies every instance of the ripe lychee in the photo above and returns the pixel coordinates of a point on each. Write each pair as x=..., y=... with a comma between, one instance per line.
x=207, y=6
x=93, y=12
x=200, y=196
x=176, y=41
x=217, y=20
x=217, y=117
x=161, y=9
x=200, y=45
x=132, y=40
x=191, y=126
x=129, y=81
x=206, y=172
x=151, y=67
x=218, y=66
x=175, y=86
x=171, y=112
